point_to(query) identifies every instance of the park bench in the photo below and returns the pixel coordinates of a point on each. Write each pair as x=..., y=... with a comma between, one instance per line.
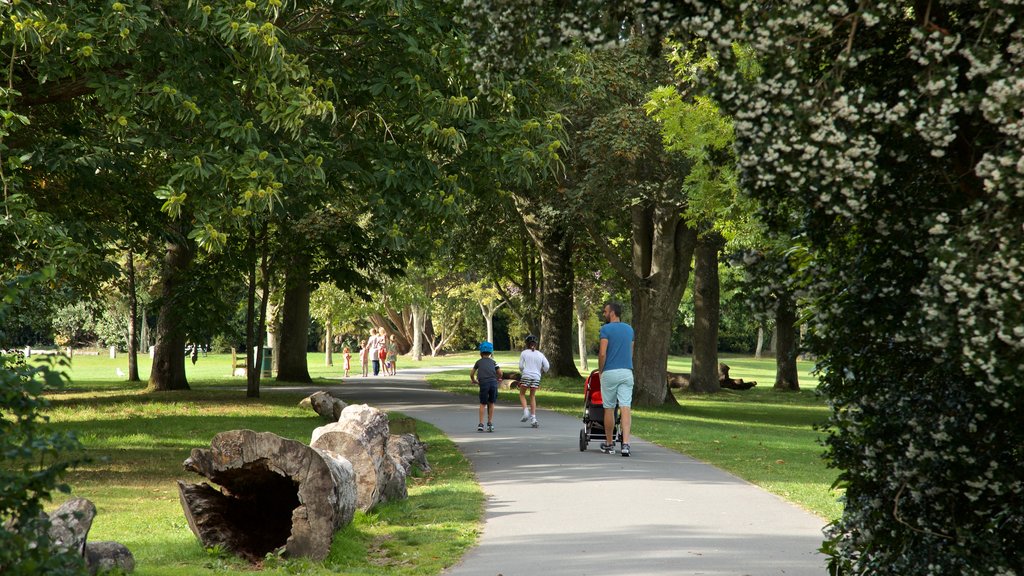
x=239, y=363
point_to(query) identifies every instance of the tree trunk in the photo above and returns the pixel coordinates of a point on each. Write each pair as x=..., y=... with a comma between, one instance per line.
x=581, y=339
x=276, y=493
x=488, y=315
x=760, y=342
x=273, y=334
x=786, y=346
x=133, y=321
x=663, y=246
x=295, y=324
x=168, y=371
x=553, y=242
x=261, y=323
x=252, y=376
x=704, y=369
x=328, y=345
x=419, y=321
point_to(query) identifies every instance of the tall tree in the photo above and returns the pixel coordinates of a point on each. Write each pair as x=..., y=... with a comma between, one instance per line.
x=630, y=191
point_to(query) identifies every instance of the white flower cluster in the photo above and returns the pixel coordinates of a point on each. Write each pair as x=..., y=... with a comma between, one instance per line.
x=904, y=160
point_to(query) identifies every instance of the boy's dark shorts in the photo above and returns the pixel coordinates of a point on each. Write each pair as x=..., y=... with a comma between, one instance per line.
x=488, y=392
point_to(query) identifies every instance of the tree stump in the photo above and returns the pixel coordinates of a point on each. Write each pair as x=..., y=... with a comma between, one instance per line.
x=276, y=494
x=323, y=403
x=361, y=436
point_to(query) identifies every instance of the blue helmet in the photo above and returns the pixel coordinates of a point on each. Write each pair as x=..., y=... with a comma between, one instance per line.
x=486, y=347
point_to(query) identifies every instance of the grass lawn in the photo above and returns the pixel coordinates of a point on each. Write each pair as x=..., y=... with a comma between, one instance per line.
x=761, y=435
x=138, y=440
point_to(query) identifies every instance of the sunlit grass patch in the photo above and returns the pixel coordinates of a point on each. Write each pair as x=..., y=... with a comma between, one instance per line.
x=138, y=440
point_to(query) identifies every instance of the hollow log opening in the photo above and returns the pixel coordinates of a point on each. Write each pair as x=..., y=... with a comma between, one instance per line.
x=252, y=513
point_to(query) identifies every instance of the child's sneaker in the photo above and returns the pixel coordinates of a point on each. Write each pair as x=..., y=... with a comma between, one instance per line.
x=480, y=427
x=533, y=422
x=490, y=427
x=625, y=450
x=526, y=415
x=608, y=448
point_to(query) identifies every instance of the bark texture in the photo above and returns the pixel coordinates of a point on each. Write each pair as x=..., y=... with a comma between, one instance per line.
x=276, y=494
x=292, y=366
x=704, y=376
x=663, y=246
x=168, y=370
x=786, y=345
x=553, y=241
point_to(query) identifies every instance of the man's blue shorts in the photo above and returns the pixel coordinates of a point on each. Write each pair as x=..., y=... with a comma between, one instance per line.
x=489, y=392
x=617, y=386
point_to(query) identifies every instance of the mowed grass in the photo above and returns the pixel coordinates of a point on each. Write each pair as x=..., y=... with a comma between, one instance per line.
x=137, y=441
x=761, y=435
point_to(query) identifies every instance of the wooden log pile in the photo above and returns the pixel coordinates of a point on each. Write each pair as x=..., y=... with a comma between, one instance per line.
x=282, y=496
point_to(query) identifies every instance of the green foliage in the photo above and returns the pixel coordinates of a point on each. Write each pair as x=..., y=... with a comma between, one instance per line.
x=876, y=135
x=73, y=324
x=33, y=461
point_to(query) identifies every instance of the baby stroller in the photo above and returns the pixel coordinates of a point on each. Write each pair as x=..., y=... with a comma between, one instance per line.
x=593, y=413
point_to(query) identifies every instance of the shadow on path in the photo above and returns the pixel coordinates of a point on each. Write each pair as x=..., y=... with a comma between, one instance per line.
x=554, y=510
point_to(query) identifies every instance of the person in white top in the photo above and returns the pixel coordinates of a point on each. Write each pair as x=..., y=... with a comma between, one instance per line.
x=531, y=363
x=375, y=342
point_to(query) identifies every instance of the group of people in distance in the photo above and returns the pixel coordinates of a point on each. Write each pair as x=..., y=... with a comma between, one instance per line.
x=615, y=363
x=379, y=349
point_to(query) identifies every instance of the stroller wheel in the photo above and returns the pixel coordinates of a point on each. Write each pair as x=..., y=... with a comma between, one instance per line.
x=583, y=440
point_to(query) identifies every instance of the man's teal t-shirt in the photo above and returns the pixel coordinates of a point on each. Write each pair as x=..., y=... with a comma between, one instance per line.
x=620, y=345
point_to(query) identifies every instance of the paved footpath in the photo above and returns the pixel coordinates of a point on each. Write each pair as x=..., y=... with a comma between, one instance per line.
x=553, y=510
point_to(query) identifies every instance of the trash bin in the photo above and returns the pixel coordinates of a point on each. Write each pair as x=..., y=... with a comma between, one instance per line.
x=265, y=367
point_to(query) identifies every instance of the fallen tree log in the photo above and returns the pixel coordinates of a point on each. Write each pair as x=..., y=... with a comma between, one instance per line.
x=276, y=495
x=323, y=403
x=407, y=450
x=361, y=436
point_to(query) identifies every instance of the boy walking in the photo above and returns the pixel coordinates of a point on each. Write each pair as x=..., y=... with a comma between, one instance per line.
x=486, y=373
x=531, y=363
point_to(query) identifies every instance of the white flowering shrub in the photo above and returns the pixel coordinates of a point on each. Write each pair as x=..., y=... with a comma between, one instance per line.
x=889, y=137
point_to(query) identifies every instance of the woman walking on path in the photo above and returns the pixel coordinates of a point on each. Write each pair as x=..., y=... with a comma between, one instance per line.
x=531, y=363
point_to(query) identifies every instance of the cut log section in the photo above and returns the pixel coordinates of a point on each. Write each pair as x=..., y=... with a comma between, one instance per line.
x=407, y=450
x=323, y=403
x=361, y=436
x=276, y=495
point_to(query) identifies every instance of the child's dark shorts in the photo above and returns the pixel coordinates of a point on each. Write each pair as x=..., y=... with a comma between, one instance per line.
x=489, y=392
